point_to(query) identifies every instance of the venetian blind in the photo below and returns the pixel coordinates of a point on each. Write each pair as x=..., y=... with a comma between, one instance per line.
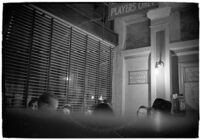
x=44, y=54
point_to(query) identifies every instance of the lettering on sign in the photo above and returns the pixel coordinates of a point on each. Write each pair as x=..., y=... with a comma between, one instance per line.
x=122, y=9
x=138, y=77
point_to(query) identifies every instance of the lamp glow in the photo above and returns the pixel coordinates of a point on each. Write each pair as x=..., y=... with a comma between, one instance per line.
x=66, y=78
x=159, y=64
x=101, y=98
x=92, y=97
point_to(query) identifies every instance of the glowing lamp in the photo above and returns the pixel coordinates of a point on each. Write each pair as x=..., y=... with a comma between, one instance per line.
x=159, y=64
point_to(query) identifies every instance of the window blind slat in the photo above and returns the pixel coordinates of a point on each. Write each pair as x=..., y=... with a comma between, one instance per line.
x=45, y=54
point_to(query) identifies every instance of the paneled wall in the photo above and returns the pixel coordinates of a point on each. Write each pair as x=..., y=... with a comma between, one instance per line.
x=170, y=26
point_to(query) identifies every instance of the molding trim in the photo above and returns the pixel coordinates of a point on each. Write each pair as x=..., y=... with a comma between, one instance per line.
x=186, y=53
x=184, y=45
x=159, y=13
x=185, y=48
x=136, y=52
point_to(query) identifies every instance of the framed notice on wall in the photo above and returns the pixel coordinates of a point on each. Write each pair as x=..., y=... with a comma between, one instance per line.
x=138, y=77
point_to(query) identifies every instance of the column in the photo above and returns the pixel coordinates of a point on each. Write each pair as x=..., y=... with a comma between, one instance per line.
x=160, y=78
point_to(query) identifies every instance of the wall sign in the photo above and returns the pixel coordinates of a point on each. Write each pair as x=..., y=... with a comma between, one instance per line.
x=122, y=9
x=191, y=74
x=138, y=77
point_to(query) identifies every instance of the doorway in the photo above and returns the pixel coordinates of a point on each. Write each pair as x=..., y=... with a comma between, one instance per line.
x=189, y=85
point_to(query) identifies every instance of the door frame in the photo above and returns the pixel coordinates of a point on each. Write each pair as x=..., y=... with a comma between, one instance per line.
x=134, y=53
x=181, y=75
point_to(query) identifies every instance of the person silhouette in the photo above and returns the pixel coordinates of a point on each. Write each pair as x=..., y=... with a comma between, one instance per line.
x=67, y=109
x=33, y=104
x=103, y=109
x=48, y=102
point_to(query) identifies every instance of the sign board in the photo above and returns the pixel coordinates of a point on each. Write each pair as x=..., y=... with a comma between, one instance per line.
x=122, y=9
x=138, y=77
x=191, y=74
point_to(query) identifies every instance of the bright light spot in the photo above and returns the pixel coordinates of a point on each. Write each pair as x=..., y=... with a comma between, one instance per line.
x=158, y=68
x=92, y=97
x=101, y=98
x=65, y=78
x=156, y=71
x=174, y=96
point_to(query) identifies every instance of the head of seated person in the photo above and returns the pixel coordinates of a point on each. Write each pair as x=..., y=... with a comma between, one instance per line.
x=48, y=102
x=102, y=109
x=162, y=105
x=143, y=112
x=67, y=109
x=33, y=104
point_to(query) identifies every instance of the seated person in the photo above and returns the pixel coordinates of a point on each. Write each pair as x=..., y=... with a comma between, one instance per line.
x=103, y=109
x=162, y=105
x=67, y=109
x=48, y=102
x=143, y=112
x=33, y=104
x=88, y=112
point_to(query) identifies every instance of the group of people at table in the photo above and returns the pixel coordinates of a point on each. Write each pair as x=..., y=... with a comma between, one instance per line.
x=49, y=102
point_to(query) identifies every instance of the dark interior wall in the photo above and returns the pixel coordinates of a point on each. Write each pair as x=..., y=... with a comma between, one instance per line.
x=95, y=11
x=188, y=59
x=83, y=15
x=175, y=60
x=138, y=35
x=189, y=21
x=174, y=66
x=7, y=10
x=184, y=22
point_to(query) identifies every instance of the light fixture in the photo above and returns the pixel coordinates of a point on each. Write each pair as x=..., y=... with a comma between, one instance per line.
x=159, y=64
